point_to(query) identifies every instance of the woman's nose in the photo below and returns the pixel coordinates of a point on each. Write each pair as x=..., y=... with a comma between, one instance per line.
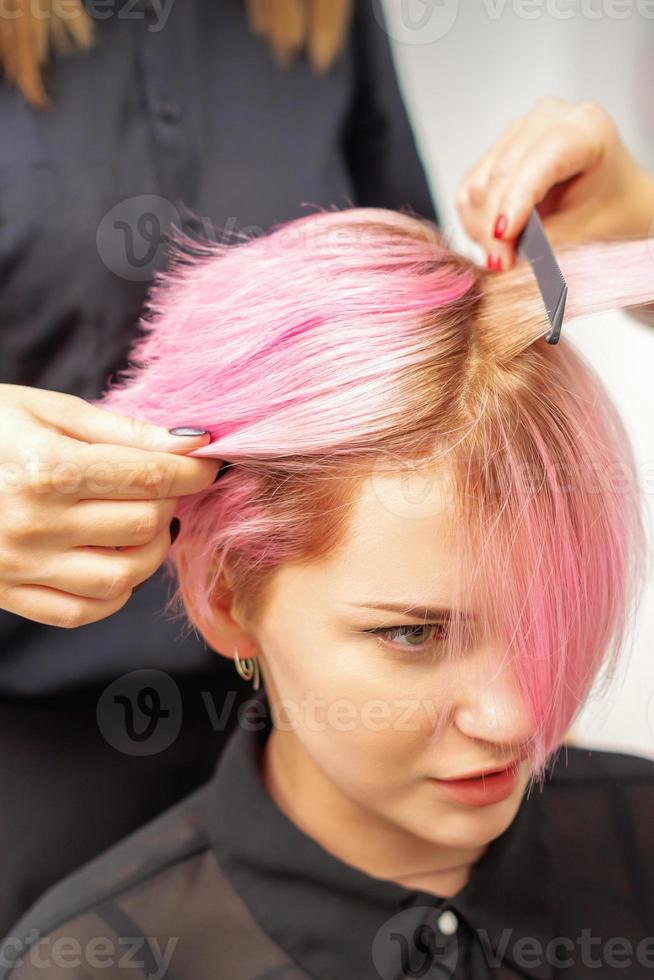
x=490, y=706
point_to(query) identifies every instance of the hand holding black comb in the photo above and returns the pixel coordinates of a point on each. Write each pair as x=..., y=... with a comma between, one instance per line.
x=533, y=245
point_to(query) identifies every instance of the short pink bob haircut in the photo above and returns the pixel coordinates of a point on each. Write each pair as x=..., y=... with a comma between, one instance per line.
x=351, y=339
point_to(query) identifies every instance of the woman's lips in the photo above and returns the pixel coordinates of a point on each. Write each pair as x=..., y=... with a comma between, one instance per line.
x=481, y=790
x=514, y=763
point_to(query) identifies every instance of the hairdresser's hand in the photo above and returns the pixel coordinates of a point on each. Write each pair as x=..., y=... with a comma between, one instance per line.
x=569, y=160
x=76, y=481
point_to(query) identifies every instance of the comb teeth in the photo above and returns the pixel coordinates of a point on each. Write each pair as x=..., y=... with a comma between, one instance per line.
x=533, y=245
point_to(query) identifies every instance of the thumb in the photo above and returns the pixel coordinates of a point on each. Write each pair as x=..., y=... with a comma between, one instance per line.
x=90, y=423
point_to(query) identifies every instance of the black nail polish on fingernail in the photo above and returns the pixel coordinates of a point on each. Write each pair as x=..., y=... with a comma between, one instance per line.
x=174, y=528
x=223, y=469
x=187, y=430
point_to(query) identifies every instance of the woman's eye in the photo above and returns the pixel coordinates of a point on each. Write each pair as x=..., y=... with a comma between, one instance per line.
x=412, y=637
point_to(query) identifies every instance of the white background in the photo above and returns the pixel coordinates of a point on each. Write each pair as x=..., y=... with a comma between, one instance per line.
x=467, y=69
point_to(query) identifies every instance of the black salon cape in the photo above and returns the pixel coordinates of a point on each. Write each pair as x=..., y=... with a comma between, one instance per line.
x=187, y=120
x=226, y=886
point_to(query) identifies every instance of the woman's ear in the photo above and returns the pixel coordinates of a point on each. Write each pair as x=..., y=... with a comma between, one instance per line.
x=222, y=627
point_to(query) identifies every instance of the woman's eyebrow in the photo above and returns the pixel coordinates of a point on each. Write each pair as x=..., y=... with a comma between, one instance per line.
x=410, y=609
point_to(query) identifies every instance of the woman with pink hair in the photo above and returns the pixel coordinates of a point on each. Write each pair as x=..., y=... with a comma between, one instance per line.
x=423, y=550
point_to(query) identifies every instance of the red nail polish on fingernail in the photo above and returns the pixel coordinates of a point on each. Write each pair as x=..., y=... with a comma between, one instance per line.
x=494, y=262
x=500, y=226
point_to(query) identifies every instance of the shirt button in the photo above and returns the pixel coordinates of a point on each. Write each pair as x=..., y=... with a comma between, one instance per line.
x=447, y=922
x=169, y=111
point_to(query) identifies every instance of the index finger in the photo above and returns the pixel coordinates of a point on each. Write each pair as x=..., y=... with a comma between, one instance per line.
x=106, y=472
x=554, y=158
x=473, y=187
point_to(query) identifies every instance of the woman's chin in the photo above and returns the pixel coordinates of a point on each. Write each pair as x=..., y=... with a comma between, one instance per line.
x=451, y=823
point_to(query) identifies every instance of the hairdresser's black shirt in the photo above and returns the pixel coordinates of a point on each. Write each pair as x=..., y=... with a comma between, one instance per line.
x=225, y=885
x=177, y=114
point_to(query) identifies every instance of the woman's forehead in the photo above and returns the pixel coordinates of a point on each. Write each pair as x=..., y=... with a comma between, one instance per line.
x=400, y=534
x=415, y=492
x=397, y=545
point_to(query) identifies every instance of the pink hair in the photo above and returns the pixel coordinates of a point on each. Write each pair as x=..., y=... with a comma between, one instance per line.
x=342, y=338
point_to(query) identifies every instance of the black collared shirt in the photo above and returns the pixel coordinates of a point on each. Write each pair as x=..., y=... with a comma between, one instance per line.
x=225, y=885
x=177, y=114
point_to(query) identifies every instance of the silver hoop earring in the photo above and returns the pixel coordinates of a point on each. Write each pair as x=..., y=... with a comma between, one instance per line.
x=247, y=669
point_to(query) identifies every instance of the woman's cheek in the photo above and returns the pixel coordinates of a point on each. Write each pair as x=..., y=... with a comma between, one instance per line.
x=369, y=743
x=324, y=663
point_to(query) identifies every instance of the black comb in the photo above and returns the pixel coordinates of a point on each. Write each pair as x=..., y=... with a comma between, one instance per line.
x=533, y=245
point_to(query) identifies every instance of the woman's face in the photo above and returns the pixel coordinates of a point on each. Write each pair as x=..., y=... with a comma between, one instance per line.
x=350, y=644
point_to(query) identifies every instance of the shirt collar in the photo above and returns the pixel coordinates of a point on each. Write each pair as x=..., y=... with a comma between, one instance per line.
x=333, y=919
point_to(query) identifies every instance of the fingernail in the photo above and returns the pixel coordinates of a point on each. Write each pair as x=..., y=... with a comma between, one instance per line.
x=494, y=262
x=174, y=528
x=188, y=430
x=500, y=226
x=222, y=470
